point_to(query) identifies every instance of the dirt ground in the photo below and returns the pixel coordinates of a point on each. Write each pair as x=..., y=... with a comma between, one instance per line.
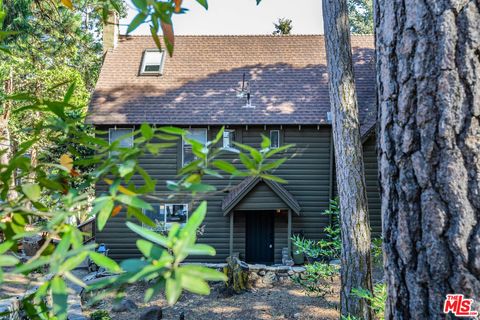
x=282, y=301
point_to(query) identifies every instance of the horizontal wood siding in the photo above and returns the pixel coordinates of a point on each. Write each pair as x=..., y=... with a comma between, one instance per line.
x=307, y=172
x=371, y=179
x=261, y=198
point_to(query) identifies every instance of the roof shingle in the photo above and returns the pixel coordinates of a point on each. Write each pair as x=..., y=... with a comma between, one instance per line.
x=288, y=75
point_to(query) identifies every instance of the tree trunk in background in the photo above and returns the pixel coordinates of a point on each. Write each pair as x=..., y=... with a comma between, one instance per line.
x=356, y=263
x=6, y=143
x=428, y=69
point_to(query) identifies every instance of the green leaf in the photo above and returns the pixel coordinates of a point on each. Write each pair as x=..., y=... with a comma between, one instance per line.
x=148, y=234
x=152, y=291
x=8, y=261
x=153, y=32
x=104, y=214
x=195, y=219
x=155, y=148
x=194, y=284
x=204, y=3
x=133, y=201
x=173, y=130
x=133, y=265
x=59, y=295
x=149, y=250
x=140, y=4
x=73, y=262
x=273, y=178
x=147, y=131
x=137, y=213
x=137, y=21
x=280, y=149
x=105, y=262
x=173, y=289
x=32, y=191
x=200, y=249
x=203, y=272
x=273, y=165
x=258, y=2
x=4, y=246
x=247, y=162
x=70, y=91
x=126, y=168
x=265, y=142
x=225, y=166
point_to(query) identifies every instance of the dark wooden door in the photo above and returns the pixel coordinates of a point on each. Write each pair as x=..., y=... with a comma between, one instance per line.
x=259, y=237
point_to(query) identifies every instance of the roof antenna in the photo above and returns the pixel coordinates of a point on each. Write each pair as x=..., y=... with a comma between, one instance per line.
x=245, y=92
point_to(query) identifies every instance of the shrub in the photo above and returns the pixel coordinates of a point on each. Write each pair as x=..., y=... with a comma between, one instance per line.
x=100, y=315
x=377, y=299
x=317, y=278
x=331, y=246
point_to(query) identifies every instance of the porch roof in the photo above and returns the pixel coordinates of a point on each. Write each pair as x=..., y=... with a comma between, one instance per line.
x=243, y=188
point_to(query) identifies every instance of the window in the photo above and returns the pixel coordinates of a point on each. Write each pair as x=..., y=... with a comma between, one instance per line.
x=228, y=139
x=163, y=215
x=200, y=135
x=152, y=62
x=274, y=139
x=115, y=134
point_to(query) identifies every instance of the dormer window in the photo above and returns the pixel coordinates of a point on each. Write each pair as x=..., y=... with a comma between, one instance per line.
x=152, y=62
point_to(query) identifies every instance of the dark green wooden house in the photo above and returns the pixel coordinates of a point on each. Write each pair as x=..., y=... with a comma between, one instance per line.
x=200, y=88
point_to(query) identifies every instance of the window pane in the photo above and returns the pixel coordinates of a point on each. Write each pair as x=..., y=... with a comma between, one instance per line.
x=228, y=138
x=116, y=134
x=152, y=68
x=275, y=139
x=152, y=57
x=157, y=215
x=152, y=61
x=177, y=213
x=197, y=134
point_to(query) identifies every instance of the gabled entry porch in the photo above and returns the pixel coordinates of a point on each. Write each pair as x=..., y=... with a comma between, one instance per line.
x=260, y=214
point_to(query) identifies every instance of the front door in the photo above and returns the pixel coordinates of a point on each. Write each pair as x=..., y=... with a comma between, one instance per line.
x=259, y=237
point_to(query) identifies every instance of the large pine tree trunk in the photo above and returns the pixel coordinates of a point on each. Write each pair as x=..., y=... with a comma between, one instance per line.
x=356, y=263
x=428, y=78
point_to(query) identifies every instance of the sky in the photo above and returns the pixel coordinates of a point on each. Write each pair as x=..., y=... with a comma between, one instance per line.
x=240, y=17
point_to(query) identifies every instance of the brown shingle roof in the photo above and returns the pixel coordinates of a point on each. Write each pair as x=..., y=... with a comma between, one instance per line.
x=288, y=76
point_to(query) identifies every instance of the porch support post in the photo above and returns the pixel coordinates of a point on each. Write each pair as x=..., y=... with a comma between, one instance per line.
x=231, y=233
x=289, y=231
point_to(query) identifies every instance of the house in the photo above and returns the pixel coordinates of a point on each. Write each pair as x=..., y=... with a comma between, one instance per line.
x=198, y=89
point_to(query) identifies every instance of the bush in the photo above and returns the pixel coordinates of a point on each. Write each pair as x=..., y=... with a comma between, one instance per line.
x=377, y=299
x=100, y=315
x=331, y=246
x=317, y=278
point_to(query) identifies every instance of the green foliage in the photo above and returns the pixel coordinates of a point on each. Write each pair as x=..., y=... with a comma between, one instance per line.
x=117, y=167
x=57, y=159
x=377, y=252
x=331, y=246
x=100, y=315
x=360, y=15
x=283, y=26
x=317, y=278
x=376, y=300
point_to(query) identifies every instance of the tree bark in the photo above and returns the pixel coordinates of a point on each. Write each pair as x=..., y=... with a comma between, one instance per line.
x=428, y=67
x=356, y=262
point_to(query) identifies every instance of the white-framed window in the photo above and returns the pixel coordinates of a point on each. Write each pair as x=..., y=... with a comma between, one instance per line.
x=274, y=139
x=152, y=62
x=115, y=134
x=198, y=134
x=228, y=139
x=163, y=215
